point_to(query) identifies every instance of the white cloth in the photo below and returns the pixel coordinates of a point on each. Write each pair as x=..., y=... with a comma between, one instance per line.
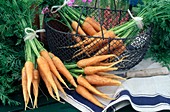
x=147, y=94
x=150, y=94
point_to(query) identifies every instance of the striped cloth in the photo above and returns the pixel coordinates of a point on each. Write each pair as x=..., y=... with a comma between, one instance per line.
x=143, y=94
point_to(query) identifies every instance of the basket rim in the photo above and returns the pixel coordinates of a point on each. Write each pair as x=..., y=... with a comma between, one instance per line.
x=46, y=22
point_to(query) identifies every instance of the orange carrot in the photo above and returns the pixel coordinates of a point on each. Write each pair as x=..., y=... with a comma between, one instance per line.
x=116, y=62
x=87, y=95
x=104, y=64
x=118, y=51
x=96, y=44
x=87, y=40
x=45, y=69
x=62, y=69
x=109, y=75
x=24, y=87
x=93, y=60
x=59, y=85
x=29, y=68
x=84, y=42
x=79, y=40
x=47, y=84
x=108, y=34
x=100, y=42
x=45, y=54
x=74, y=25
x=101, y=81
x=83, y=82
x=94, y=23
x=76, y=38
x=95, y=69
x=89, y=70
x=35, y=82
x=114, y=44
x=88, y=29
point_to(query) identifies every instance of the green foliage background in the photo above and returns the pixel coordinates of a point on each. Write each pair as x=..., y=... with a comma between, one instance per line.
x=15, y=15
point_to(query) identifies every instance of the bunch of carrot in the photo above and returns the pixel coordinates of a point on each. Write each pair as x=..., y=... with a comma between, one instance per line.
x=90, y=35
x=92, y=72
x=89, y=72
x=40, y=64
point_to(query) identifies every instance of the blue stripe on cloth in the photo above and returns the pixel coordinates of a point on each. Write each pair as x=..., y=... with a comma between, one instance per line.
x=83, y=101
x=145, y=100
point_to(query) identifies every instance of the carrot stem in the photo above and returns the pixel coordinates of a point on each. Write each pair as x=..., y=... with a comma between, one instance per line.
x=38, y=45
x=67, y=17
x=34, y=48
x=70, y=66
x=28, y=51
x=77, y=19
x=76, y=13
x=77, y=70
x=74, y=75
x=67, y=23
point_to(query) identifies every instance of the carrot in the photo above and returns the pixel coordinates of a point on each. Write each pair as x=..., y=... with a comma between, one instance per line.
x=110, y=63
x=45, y=69
x=35, y=82
x=29, y=68
x=59, y=85
x=93, y=60
x=95, y=69
x=78, y=39
x=118, y=51
x=112, y=76
x=74, y=25
x=84, y=42
x=116, y=62
x=46, y=56
x=87, y=40
x=109, y=47
x=89, y=70
x=99, y=42
x=83, y=82
x=104, y=64
x=94, y=23
x=90, y=20
x=47, y=84
x=88, y=29
x=24, y=87
x=62, y=69
x=87, y=95
x=101, y=81
x=96, y=44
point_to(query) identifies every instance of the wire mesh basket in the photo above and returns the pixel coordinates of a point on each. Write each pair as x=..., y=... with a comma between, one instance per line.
x=59, y=36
